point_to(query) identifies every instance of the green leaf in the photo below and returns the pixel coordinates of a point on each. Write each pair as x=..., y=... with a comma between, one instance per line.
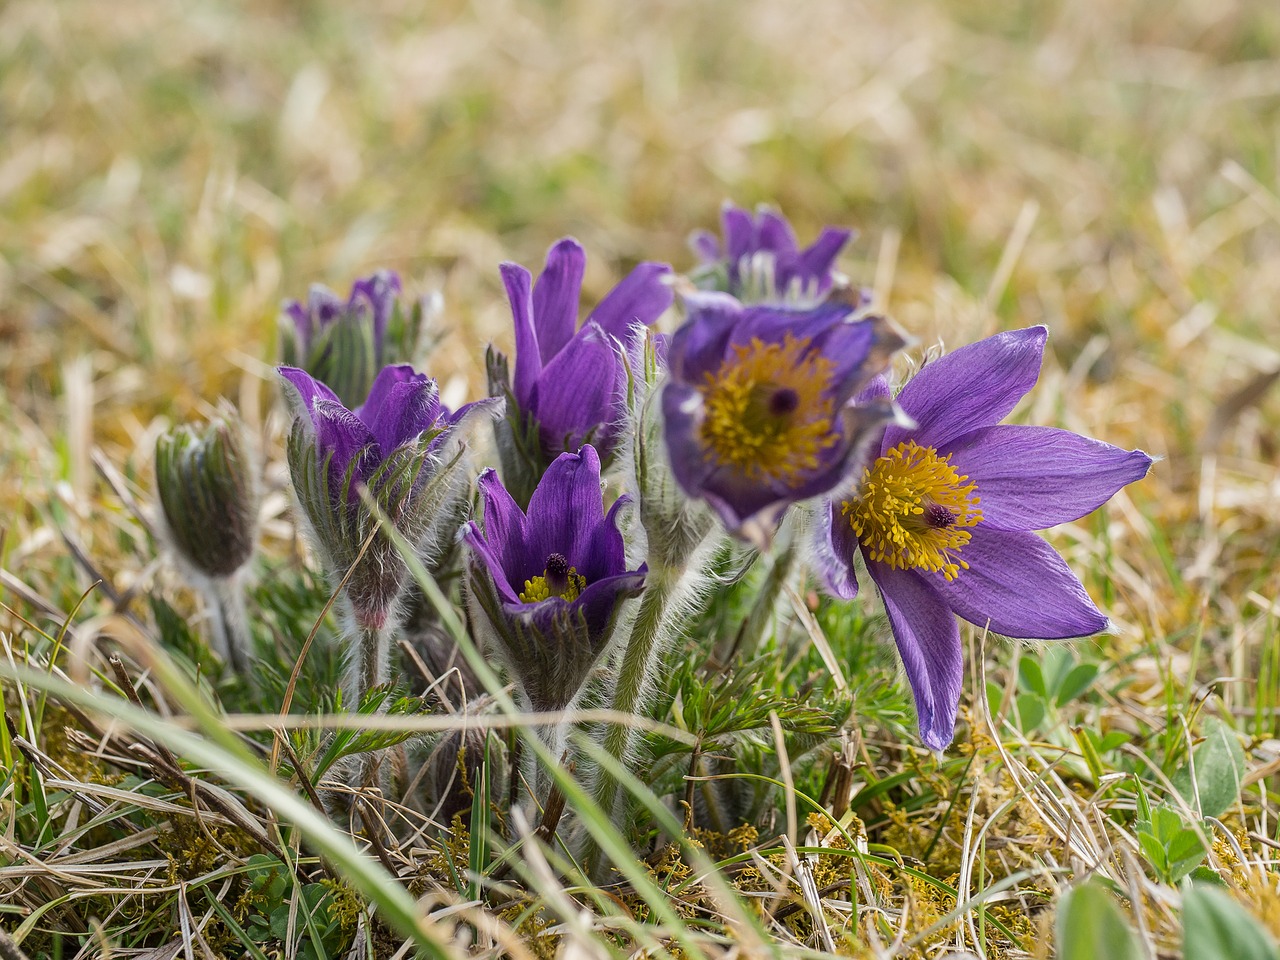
x=1030, y=711
x=1030, y=677
x=1215, y=925
x=1090, y=926
x=1076, y=682
x=1218, y=768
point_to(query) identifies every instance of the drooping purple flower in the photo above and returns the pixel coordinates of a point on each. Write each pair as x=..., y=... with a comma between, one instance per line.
x=760, y=260
x=343, y=343
x=570, y=381
x=402, y=445
x=547, y=583
x=759, y=406
x=944, y=517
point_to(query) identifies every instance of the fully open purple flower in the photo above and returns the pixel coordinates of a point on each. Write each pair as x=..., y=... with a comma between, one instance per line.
x=759, y=405
x=402, y=445
x=943, y=517
x=760, y=260
x=569, y=380
x=547, y=583
x=343, y=343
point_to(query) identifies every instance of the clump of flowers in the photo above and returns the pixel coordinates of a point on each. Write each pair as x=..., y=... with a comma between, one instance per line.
x=759, y=259
x=344, y=343
x=640, y=471
x=943, y=517
x=570, y=381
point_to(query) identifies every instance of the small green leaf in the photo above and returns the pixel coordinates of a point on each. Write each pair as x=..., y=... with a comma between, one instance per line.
x=1030, y=711
x=1215, y=925
x=1218, y=766
x=1090, y=926
x=1076, y=682
x=1030, y=677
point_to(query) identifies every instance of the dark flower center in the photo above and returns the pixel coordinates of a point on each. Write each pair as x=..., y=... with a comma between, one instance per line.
x=938, y=516
x=557, y=573
x=783, y=401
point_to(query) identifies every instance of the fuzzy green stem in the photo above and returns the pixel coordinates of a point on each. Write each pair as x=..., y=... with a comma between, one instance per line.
x=757, y=622
x=653, y=628
x=229, y=621
x=369, y=667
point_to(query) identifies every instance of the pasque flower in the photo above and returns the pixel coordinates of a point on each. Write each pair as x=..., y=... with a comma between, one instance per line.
x=759, y=406
x=207, y=482
x=406, y=449
x=345, y=343
x=760, y=260
x=546, y=585
x=569, y=383
x=944, y=517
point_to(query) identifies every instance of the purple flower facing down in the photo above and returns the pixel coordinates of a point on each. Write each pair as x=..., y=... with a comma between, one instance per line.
x=944, y=517
x=569, y=381
x=547, y=584
x=760, y=260
x=402, y=445
x=343, y=343
x=759, y=405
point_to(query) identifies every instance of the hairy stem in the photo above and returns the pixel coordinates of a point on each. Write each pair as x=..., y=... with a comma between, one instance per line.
x=651, y=627
x=229, y=620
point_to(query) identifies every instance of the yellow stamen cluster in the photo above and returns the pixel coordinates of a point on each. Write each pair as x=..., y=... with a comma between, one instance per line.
x=767, y=410
x=538, y=589
x=913, y=509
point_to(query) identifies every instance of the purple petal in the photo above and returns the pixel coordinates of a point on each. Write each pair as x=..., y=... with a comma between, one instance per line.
x=834, y=545
x=774, y=233
x=598, y=600
x=324, y=305
x=818, y=259
x=975, y=386
x=380, y=291
x=580, y=390
x=606, y=552
x=682, y=419
x=566, y=507
x=410, y=408
x=641, y=297
x=705, y=245
x=928, y=641
x=305, y=389
x=490, y=555
x=302, y=324
x=739, y=235
x=342, y=433
x=519, y=284
x=506, y=531
x=389, y=377
x=1031, y=478
x=1019, y=583
x=698, y=347
x=556, y=295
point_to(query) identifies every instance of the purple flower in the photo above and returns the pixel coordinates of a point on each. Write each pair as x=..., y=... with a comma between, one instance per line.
x=943, y=517
x=342, y=344
x=402, y=445
x=759, y=406
x=547, y=583
x=570, y=381
x=761, y=261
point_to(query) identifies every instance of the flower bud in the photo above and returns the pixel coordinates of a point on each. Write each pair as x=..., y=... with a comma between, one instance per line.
x=208, y=487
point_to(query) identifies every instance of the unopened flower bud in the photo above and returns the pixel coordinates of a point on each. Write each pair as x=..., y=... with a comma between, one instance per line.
x=208, y=488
